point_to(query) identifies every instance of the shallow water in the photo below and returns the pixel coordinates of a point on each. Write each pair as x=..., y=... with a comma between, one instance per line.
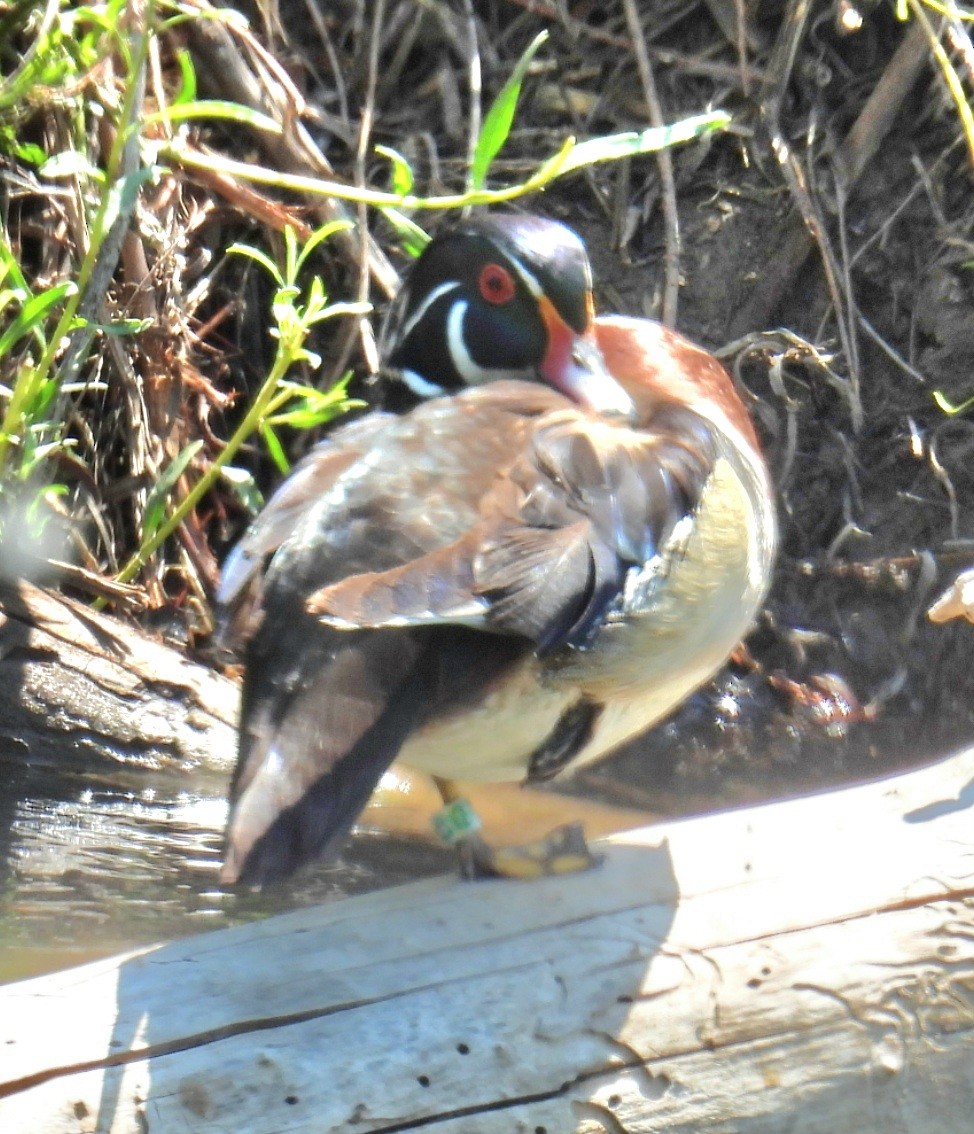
x=94, y=863
x=89, y=869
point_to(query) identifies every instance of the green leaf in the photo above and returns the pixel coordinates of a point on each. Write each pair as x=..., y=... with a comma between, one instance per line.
x=402, y=172
x=499, y=119
x=333, y=310
x=275, y=448
x=309, y=415
x=9, y=267
x=121, y=196
x=412, y=238
x=120, y=328
x=261, y=258
x=310, y=406
x=12, y=296
x=291, y=257
x=32, y=314
x=282, y=308
x=44, y=496
x=27, y=152
x=155, y=505
x=187, y=88
x=318, y=236
x=301, y=418
x=244, y=487
x=69, y=163
x=38, y=404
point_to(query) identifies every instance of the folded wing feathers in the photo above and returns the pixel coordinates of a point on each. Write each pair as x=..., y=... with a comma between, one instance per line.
x=240, y=591
x=312, y=755
x=438, y=587
x=538, y=582
x=557, y=533
x=595, y=501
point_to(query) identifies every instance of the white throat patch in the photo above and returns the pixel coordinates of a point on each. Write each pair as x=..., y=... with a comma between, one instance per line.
x=419, y=385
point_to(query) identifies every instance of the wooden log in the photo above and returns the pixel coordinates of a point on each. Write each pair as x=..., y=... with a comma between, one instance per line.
x=803, y=966
x=115, y=752
x=81, y=691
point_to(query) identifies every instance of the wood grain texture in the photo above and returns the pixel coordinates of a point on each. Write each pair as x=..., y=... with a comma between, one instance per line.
x=805, y=966
x=81, y=690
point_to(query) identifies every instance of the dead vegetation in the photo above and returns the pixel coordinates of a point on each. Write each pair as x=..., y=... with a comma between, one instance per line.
x=823, y=243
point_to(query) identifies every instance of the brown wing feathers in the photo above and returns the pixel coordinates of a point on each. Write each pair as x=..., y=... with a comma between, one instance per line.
x=312, y=755
x=556, y=534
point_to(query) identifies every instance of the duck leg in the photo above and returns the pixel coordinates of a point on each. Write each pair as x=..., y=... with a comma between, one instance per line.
x=561, y=851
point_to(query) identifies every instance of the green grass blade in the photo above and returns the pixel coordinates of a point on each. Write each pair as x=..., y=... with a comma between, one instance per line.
x=275, y=448
x=32, y=314
x=187, y=89
x=402, y=172
x=214, y=108
x=259, y=257
x=317, y=237
x=155, y=505
x=499, y=119
x=412, y=238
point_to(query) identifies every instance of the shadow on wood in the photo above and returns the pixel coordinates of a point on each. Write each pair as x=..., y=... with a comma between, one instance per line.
x=804, y=966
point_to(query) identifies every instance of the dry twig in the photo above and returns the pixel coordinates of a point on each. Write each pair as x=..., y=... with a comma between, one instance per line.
x=671, y=217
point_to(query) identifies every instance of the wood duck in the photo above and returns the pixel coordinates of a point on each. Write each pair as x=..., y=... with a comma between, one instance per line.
x=561, y=543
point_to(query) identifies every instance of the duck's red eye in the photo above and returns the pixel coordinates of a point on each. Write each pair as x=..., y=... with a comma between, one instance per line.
x=496, y=284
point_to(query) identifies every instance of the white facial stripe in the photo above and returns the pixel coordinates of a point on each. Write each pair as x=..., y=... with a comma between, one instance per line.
x=530, y=281
x=437, y=293
x=470, y=371
x=419, y=385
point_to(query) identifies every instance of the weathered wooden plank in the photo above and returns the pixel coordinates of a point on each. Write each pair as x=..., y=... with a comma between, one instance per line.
x=803, y=966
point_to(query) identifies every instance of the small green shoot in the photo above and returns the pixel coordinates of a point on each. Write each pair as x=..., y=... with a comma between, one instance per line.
x=295, y=313
x=500, y=117
x=949, y=408
x=402, y=172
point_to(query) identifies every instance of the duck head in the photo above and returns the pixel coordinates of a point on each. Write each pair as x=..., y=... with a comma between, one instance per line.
x=502, y=297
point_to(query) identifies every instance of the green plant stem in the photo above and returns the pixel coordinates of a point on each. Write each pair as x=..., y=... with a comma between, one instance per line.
x=571, y=156
x=316, y=186
x=259, y=408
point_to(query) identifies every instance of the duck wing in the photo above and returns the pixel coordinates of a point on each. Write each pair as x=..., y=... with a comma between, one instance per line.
x=586, y=506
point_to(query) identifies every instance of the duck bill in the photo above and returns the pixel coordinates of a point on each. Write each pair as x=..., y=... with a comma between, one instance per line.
x=574, y=365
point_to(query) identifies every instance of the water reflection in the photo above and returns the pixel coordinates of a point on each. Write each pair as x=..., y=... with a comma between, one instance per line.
x=89, y=869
